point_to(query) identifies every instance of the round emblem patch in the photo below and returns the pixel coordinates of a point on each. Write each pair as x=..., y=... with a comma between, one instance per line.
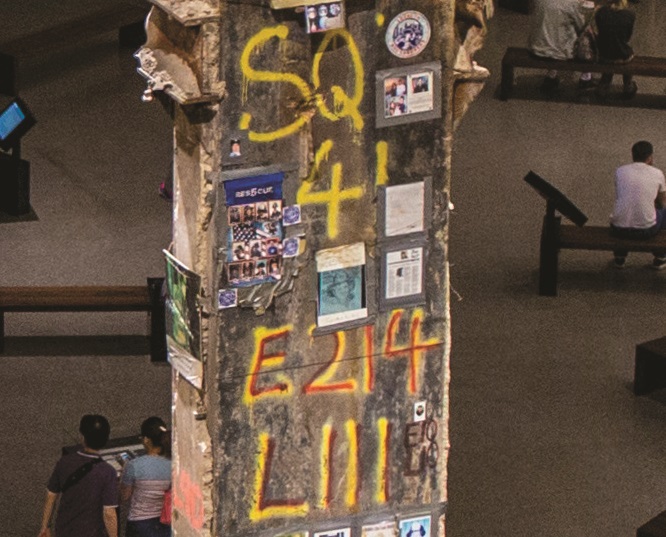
x=408, y=34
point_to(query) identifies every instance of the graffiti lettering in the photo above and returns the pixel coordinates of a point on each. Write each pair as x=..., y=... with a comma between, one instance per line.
x=252, y=75
x=382, y=476
x=322, y=380
x=261, y=360
x=343, y=104
x=351, y=497
x=381, y=177
x=369, y=351
x=262, y=507
x=188, y=499
x=333, y=197
x=421, y=446
x=328, y=435
x=414, y=350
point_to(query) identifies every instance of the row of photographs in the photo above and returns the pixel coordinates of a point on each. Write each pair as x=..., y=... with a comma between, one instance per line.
x=409, y=527
x=268, y=267
x=411, y=94
x=246, y=271
x=257, y=248
x=322, y=17
x=255, y=212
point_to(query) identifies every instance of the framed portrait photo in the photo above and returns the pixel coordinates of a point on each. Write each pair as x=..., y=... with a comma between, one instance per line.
x=408, y=94
x=341, y=285
x=416, y=527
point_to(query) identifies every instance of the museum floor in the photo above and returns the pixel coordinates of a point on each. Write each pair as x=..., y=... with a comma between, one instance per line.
x=547, y=438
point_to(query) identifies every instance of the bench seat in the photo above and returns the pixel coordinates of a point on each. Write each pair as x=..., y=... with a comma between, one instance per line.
x=92, y=298
x=556, y=236
x=146, y=298
x=599, y=238
x=648, y=66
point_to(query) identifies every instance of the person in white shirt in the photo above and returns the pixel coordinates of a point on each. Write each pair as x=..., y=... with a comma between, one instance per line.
x=145, y=481
x=556, y=24
x=640, y=202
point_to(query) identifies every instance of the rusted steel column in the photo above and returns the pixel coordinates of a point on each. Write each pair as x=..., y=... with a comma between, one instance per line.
x=312, y=179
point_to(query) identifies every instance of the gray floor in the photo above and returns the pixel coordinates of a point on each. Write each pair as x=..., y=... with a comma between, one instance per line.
x=547, y=437
x=97, y=156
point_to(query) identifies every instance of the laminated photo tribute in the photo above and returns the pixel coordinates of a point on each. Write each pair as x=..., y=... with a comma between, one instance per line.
x=408, y=94
x=415, y=527
x=381, y=529
x=323, y=17
x=404, y=274
x=182, y=320
x=405, y=208
x=254, y=213
x=341, y=275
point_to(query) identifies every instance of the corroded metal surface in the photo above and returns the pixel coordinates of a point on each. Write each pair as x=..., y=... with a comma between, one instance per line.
x=300, y=428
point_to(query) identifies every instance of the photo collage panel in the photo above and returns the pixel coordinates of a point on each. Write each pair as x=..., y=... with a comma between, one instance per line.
x=409, y=94
x=255, y=233
x=322, y=17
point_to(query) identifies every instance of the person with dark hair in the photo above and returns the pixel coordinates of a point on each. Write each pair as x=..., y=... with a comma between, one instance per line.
x=87, y=486
x=145, y=481
x=274, y=267
x=615, y=24
x=640, y=202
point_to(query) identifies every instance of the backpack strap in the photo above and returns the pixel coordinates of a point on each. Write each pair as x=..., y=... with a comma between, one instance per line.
x=78, y=474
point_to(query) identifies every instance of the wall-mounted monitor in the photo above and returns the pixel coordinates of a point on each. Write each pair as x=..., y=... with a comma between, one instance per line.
x=15, y=120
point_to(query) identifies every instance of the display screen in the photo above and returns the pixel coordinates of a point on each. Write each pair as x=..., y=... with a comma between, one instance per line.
x=15, y=121
x=10, y=118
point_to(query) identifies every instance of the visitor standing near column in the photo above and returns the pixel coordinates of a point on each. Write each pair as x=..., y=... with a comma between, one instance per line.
x=145, y=481
x=87, y=487
x=615, y=24
x=640, y=202
x=556, y=25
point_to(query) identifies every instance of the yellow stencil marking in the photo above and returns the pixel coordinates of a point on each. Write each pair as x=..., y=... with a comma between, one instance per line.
x=369, y=351
x=382, y=163
x=382, y=461
x=333, y=197
x=325, y=466
x=351, y=496
x=252, y=75
x=343, y=104
x=261, y=508
x=323, y=382
x=282, y=386
x=414, y=350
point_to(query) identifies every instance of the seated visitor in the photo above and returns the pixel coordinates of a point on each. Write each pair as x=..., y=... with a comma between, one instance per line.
x=555, y=27
x=639, y=188
x=615, y=24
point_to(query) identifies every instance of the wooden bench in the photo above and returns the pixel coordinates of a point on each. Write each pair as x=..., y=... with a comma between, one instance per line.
x=92, y=298
x=520, y=57
x=127, y=19
x=556, y=236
